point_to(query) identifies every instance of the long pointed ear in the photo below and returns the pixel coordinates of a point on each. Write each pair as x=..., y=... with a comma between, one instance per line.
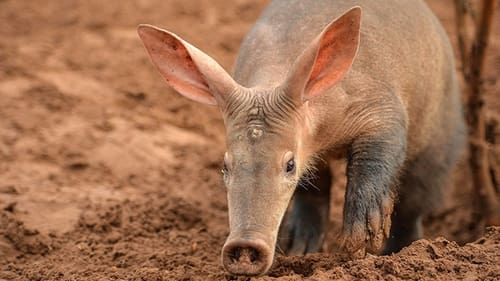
x=327, y=58
x=188, y=70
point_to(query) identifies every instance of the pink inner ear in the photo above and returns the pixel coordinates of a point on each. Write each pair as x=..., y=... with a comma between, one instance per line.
x=337, y=49
x=182, y=64
x=175, y=64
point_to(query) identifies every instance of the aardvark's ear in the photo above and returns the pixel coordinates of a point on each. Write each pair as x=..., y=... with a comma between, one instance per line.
x=188, y=70
x=327, y=58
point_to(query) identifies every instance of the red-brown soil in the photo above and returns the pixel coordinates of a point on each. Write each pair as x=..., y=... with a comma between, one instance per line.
x=107, y=174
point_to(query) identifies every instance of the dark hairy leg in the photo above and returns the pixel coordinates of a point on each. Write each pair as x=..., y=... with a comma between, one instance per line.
x=419, y=192
x=303, y=229
x=373, y=167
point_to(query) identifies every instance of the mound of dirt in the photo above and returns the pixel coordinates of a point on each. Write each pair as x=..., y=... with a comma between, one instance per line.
x=161, y=237
x=158, y=237
x=107, y=174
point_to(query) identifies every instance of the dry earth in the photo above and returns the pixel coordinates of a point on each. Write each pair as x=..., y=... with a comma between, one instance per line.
x=107, y=174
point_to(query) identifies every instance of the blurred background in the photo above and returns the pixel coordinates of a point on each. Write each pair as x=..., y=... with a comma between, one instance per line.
x=107, y=172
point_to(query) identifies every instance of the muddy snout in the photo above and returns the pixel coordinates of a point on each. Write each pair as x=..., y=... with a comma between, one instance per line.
x=247, y=256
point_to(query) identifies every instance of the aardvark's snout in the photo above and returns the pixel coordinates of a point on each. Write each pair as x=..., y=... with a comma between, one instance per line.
x=247, y=256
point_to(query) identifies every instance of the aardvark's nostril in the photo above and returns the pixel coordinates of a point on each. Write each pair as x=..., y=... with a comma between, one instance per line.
x=235, y=256
x=244, y=255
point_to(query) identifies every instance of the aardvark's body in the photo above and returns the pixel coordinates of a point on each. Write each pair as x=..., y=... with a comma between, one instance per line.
x=374, y=84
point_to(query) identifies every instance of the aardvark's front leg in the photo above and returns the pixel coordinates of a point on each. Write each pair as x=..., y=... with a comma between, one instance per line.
x=374, y=162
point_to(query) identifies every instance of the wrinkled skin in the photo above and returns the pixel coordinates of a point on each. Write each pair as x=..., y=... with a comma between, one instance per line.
x=258, y=185
x=378, y=90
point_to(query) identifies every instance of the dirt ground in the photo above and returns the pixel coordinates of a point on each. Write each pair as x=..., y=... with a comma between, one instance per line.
x=107, y=174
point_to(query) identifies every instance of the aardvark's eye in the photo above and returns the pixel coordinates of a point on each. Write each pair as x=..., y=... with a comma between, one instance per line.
x=224, y=168
x=290, y=166
x=225, y=165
